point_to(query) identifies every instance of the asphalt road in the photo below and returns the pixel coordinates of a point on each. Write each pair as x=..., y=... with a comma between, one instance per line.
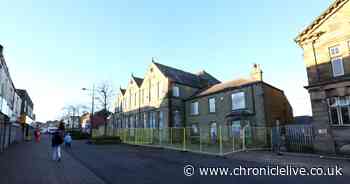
x=134, y=164
x=30, y=163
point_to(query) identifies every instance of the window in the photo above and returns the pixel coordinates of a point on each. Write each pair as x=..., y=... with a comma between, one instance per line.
x=142, y=95
x=213, y=132
x=194, y=129
x=238, y=101
x=236, y=128
x=149, y=91
x=158, y=90
x=337, y=66
x=339, y=110
x=176, y=91
x=145, y=120
x=161, y=119
x=194, y=108
x=334, y=51
x=135, y=99
x=177, y=118
x=152, y=120
x=212, y=105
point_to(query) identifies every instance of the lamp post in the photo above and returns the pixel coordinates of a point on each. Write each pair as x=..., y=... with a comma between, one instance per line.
x=92, y=107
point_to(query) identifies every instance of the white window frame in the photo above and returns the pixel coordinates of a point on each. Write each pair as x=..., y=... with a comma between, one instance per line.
x=176, y=91
x=238, y=95
x=212, y=106
x=195, y=108
x=338, y=104
x=161, y=120
x=195, y=128
x=334, y=51
x=339, y=59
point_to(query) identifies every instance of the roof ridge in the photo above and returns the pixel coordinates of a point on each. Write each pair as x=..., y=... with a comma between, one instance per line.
x=174, y=68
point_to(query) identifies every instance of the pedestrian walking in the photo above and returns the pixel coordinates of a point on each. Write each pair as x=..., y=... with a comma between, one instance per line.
x=56, y=142
x=68, y=141
x=37, y=135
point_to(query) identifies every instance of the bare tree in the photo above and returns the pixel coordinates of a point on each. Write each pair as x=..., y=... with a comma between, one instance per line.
x=105, y=95
x=72, y=112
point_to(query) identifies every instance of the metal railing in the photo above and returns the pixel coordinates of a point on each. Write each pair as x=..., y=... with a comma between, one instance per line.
x=221, y=141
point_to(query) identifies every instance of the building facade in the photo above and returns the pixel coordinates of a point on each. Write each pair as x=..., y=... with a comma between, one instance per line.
x=326, y=46
x=168, y=97
x=237, y=104
x=158, y=99
x=7, y=89
x=10, y=107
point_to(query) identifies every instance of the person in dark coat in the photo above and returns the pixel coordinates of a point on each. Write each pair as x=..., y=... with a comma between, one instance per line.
x=56, y=142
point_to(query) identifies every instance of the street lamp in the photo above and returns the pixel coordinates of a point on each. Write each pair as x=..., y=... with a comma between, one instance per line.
x=92, y=107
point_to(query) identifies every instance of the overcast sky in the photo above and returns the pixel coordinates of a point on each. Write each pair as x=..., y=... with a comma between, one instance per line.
x=54, y=48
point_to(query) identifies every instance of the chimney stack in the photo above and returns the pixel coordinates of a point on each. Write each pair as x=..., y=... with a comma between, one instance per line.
x=256, y=73
x=1, y=49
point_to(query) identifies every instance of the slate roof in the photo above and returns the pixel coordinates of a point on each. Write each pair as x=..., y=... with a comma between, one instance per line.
x=123, y=91
x=138, y=80
x=225, y=85
x=186, y=78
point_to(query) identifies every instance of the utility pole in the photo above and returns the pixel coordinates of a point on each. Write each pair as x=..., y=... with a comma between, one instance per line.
x=92, y=109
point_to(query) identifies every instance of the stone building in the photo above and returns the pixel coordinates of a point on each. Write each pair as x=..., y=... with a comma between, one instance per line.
x=158, y=99
x=165, y=97
x=326, y=49
x=238, y=103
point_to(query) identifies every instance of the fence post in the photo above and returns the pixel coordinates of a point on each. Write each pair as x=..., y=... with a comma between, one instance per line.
x=244, y=146
x=200, y=140
x=233, y=142
x=160, y=133
x=271, y=142
x=220, y=139
x=171, y=136
x=184, y=141
x=125, y=131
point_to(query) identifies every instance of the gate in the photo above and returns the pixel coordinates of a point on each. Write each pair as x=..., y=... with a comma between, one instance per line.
x=294, y=138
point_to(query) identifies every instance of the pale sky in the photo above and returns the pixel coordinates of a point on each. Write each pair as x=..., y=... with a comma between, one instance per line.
x=54, y=48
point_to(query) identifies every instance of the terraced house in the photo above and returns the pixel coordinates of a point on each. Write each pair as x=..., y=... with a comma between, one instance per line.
x=169, y=97
x=326, y=46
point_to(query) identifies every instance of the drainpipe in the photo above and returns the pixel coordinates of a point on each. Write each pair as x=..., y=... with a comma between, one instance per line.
x=315, y=60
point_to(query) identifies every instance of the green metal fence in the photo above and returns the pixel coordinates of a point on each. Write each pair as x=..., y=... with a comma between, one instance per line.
x=223, y=141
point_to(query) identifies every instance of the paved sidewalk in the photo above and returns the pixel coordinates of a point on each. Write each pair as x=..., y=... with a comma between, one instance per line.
x=31, y=163
x=295, y=159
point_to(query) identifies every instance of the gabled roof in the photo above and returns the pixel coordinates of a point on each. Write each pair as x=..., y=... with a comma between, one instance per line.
x=225, y=85
x=320, y=19
x=122, y=90
x=138, y=80
x=185, y=78
x=206, y=76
